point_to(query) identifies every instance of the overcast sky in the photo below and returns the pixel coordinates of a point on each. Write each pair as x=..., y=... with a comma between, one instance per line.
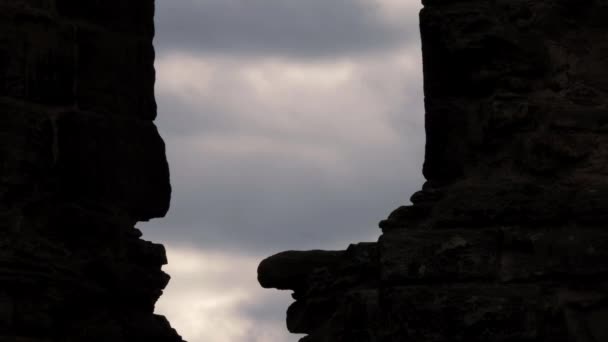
x=289, y=124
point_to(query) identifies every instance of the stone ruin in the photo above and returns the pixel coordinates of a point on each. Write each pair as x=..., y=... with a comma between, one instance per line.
x=505, y=242
x=81, y=162
x=508, y=239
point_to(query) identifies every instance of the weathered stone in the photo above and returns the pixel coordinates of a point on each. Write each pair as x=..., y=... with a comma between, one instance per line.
x=589, y=204
x=135, y=16
x=404, y=215
x=115, y=74
x=506, y=241
x=501, y=202
x=7, y=308
x=290, y=270
x=37, y=58
x=448, y=256
x=25, y=5
x=26, y=153
x=580, y=118
x=80, y=164
x=121, y=171
x=553, y=252
x=466, y=313
x=357, y=312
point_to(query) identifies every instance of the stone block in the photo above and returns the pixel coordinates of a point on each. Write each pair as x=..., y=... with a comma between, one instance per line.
x=7, y=309
x=75, y=227
x=470, y=51
x=26, y=5
x=113, y=162
x=503, y=202
x=291, y=270
x=308, y=315
x=37, y=59
x=414, y=256
x=469, y=313
x=134, y=16
x=589, y=206
x=563, y=252
x=115, y=75
x=350, y=316
x=147, y=253
x=26, y=153
x=579, y=118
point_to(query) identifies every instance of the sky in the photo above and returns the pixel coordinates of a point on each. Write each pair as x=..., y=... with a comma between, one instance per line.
x=289, y=125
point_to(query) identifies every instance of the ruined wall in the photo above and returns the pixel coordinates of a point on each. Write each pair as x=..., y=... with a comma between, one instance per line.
x=81, y=162
x=507, y=239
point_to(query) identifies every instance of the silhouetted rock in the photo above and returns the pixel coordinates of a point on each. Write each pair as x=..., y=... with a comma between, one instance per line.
x=81, y=162
x=290, y=270
x=506, y=240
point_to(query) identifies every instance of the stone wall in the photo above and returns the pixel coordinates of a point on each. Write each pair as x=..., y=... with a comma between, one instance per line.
x=507, y=240
x=81, y=162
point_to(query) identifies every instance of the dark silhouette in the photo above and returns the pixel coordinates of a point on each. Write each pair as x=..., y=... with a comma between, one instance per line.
x=81, y=162
x=506, y=241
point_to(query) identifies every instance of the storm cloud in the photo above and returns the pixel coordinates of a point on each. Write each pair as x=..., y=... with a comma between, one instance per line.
x=292, y=28
x=289, y=124
x=276, y=155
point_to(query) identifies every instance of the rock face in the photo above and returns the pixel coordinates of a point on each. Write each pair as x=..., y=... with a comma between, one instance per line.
x=507, y=239
x=81, y=162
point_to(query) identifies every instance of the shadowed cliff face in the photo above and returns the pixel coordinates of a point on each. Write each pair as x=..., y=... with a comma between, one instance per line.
x=81, y=162
x=505, y=242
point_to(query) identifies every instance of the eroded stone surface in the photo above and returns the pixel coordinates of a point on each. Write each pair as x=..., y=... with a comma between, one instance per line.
x=506, y=241
x=81, y=162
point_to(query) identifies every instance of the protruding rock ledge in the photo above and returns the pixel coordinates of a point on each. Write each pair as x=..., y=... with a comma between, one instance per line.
x=506, y=241
x=291, y=270
x=80, y=164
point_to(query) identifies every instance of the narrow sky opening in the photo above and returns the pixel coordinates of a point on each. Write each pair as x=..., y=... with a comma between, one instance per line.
x=289, y=124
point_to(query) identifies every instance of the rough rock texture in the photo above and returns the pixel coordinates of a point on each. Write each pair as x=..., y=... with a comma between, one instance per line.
x=81, y=162
x=507, y=239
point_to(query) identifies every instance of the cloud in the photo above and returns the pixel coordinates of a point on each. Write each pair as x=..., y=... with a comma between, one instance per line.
x=275, y=154
x=289, y=124
x=294, y=28
x=215, y=297
x=285, y=99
